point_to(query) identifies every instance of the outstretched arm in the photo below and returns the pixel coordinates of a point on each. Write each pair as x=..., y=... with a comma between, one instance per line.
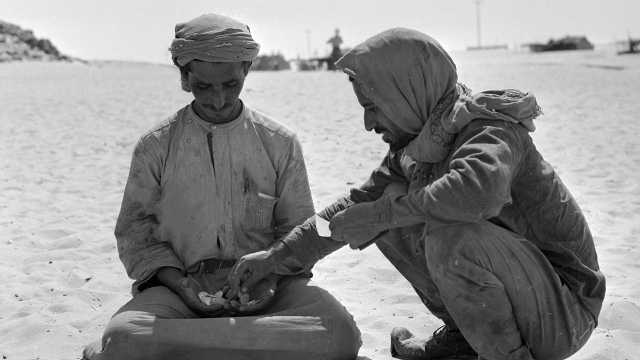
x=303, y=243
x=475, y=187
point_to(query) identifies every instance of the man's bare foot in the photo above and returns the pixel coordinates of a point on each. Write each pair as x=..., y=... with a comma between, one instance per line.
x=93, y=351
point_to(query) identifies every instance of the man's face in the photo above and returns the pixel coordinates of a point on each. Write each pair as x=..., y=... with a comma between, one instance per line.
x=216, y=87
x=376, y=120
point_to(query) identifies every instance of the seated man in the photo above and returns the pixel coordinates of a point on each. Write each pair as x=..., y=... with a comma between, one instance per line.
x=216, y=181
x=464, y=206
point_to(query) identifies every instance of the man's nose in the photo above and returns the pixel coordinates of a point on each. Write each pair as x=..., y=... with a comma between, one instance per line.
x=217, y=99
x=369, y=121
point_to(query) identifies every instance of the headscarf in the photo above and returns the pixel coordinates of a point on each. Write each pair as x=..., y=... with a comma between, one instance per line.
x=414, y=82
x=213, y=38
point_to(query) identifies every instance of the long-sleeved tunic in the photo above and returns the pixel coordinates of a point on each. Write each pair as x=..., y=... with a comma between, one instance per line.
x=198, y=190
x=494, y=172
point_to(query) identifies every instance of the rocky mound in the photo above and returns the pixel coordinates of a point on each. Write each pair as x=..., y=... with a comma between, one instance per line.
x=18, y=44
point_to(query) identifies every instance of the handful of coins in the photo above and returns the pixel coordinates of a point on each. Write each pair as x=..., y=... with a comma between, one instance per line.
x=218, y=298
x=212, y=299
x=244, y=297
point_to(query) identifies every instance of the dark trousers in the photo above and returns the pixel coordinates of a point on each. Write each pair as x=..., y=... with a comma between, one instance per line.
x=304, y=322
x=495, y=286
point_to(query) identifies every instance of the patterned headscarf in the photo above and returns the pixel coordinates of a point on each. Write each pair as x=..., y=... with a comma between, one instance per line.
x=213, y=38
x=413, y=81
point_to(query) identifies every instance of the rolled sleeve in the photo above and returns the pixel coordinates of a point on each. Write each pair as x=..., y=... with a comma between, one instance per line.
x=305, y=243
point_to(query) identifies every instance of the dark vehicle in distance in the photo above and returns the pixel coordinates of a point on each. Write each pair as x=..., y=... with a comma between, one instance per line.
x=565, y=43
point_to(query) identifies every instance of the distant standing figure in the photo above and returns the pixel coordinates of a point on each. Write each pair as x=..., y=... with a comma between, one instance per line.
x=336, y=53
x=214, y=182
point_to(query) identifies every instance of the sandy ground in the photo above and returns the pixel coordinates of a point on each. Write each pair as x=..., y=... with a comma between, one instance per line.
x=67, y=132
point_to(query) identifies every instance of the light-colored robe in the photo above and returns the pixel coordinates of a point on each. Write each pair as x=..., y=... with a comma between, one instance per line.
x=198, y=190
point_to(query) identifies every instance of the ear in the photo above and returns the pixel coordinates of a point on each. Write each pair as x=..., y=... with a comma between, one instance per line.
x=246, y=65
x=184, y=74
x=184, y=80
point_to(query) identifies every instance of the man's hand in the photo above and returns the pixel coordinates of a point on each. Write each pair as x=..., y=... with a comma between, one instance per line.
x=258, y=298
x=188, y=289
x=249, y=270
x=359, y=224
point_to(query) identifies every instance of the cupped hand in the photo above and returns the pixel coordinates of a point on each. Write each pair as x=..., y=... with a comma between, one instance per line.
x=189, y=290
x=256, y=298
x=248, y=271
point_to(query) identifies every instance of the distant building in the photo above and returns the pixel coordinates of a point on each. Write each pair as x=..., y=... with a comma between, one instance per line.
x=273, y=62
x=565, y=43
x=633, y=47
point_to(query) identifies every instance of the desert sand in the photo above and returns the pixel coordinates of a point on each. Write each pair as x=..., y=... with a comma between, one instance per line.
x=67, y=132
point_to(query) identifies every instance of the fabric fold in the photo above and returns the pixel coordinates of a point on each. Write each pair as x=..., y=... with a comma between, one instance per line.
x=213, y=38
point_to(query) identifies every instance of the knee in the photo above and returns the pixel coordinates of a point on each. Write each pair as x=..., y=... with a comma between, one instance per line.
x=346, y=340
x=444, y=242
x=124, y=335
x=445, y=246
x=340, y=330
x=344, y=333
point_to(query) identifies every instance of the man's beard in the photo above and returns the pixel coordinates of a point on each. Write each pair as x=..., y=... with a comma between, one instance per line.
x=401, y=143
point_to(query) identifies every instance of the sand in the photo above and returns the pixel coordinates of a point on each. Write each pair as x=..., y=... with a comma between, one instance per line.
x=67, y=132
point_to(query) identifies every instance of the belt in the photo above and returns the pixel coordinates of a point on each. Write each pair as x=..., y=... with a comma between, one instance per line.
x=211, y=265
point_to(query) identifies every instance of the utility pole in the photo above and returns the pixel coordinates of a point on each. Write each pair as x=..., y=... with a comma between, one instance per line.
x=308, y=33
x=478, y=30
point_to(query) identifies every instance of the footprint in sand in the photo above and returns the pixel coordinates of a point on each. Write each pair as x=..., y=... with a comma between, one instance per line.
x=60, y=308
x=53, y=234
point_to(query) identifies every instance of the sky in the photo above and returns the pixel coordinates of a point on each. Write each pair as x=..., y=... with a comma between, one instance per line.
x=141, y=30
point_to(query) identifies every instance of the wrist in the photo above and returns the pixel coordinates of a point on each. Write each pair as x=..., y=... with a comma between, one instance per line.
x=274, y=278
x=170, y=277
x=278, y=253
